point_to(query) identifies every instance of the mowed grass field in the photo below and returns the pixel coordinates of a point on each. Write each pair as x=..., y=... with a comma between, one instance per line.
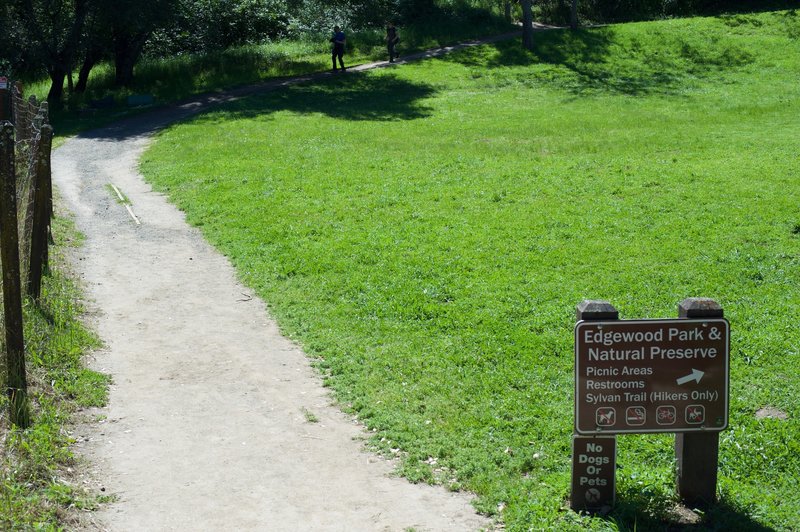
x=425, y=232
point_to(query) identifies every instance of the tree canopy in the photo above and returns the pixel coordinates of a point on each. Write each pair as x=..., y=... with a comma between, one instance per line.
x=59, y=37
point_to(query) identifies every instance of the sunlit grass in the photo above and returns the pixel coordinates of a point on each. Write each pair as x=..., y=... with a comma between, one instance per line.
x=426, y=232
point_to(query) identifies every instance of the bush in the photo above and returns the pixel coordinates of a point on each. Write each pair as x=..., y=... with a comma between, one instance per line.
x=210, y=25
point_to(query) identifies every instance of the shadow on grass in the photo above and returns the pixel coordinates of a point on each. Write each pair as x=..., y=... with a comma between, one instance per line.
x=349, y=96
x=592, y=60
x=181, y=87
x=586, y=54
x=641, y=513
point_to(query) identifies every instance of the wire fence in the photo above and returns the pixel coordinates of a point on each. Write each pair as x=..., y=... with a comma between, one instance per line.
x=33, y=143
x=26, y=206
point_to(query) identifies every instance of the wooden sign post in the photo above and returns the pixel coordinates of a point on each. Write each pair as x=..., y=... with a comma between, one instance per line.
x=697, y=453
x=593, y=493
x=650, y=376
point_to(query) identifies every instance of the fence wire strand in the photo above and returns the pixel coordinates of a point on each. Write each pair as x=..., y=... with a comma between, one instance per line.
x=28, y=117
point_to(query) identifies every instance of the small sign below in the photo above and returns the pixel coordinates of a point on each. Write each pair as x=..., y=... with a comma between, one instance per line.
x=593, y=473
x=3, y=82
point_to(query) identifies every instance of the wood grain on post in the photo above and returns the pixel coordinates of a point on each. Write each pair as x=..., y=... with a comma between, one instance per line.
x=12, y=293
x=697, y=453
x=42, y=206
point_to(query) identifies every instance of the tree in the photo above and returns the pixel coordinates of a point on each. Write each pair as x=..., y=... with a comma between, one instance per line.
x=573, y=15
x=507, y=10
x=132, y=22
x=94, y=49
x=118, y=30
x=12, y=45
x=54, y=30
x=527, y=24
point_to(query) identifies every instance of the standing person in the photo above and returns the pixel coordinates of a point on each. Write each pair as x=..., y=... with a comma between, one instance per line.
x=391, y=41
x=337, y=50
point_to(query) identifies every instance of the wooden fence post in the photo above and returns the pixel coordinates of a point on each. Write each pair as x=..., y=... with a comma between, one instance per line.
x=12, y=293
x=48, y=182
x=697, y=453
x=42, y=188
x=19, y=112
x=5, y=100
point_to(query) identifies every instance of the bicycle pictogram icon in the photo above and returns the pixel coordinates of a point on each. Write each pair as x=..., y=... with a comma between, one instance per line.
x=666, y=415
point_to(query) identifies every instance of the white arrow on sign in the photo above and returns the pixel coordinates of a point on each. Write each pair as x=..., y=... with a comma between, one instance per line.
x=695, y=375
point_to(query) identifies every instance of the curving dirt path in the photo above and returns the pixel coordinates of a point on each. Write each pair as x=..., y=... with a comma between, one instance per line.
x=210, y=423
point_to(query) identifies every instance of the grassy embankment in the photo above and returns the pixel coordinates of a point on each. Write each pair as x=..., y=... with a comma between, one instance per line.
x=425, y=232
x=173, y=79
x=40, y=484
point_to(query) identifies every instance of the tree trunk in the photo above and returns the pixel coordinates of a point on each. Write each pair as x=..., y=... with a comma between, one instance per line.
x=573, y=15
x=127, y=49
x=527, y=24
x=123, y=67
x=507, y=10
x=92, y=56
x=57, y=75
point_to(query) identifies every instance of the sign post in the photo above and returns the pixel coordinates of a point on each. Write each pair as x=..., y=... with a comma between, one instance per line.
x=652, y=376
x=697, y=453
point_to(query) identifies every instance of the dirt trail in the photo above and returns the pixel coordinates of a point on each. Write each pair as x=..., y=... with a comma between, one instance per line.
x=206, y=427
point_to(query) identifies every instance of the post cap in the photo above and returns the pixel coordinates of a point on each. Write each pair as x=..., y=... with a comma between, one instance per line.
x=699, y=307
x=596, y=309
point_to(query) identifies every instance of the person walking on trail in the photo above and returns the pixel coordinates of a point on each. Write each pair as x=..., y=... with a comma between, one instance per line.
x=337, y=50
x=391, y=41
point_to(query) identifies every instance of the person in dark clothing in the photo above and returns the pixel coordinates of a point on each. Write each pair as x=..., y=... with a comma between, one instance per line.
x=391, y=41
x=337, y=50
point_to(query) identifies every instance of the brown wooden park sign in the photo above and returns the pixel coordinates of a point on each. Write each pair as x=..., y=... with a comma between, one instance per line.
x=648, y=376
x=651, y=376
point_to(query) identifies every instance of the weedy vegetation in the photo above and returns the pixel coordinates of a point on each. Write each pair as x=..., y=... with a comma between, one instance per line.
x=40, y=485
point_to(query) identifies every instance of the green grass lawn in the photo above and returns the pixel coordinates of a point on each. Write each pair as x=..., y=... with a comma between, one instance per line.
x=425, y=232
